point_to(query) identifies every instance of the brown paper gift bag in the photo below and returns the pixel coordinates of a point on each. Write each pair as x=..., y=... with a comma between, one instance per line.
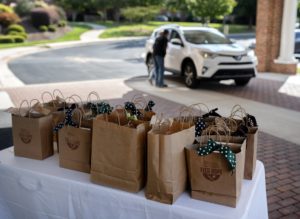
x=118, y=153
x=251, y=153
x=75, y=148
x=239, y=114
x=32, y=136
x=166, y=168
x=209, y=175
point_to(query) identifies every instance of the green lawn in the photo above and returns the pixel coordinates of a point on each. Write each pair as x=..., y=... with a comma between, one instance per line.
x=145, y=29
x=74, y=34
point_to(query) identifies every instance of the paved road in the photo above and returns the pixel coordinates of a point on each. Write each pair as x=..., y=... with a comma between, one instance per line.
x=104, y=60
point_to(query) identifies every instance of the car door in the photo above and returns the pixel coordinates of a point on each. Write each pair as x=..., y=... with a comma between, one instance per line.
x=175, y=54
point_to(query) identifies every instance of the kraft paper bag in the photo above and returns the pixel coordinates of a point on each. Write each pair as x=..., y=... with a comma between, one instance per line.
x=166, y=169
x=32, y=137
x=75, y=148
x=119, y=153
x=209, y=176
x=251, y=153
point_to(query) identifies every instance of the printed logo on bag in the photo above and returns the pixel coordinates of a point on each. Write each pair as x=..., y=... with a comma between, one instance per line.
x=72, y=141
x=211, y=171
x=25, y=136
x=211, y=174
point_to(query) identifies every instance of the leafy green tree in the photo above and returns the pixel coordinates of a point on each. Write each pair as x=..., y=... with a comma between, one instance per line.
x=74, y=6
x=208, y=9
x=175, y=6
x=140, y=13
x=24, y=7
x=247, y=9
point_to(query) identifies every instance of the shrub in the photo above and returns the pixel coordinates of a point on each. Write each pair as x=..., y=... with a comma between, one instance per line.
x=24, y=7
x=14, y=33
x=5, y=8
x=16, y=28
x=62, y=23
x=18, y=39
x=43, y=28
x=44, y=16
x=52, y=28
x=7, y=19
x=7, y=39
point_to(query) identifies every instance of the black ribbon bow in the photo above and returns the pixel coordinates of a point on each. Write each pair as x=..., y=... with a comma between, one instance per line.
x=149, y=106
x=130, y=106
x=223, y=149
x=67, y=121
x=213, y=112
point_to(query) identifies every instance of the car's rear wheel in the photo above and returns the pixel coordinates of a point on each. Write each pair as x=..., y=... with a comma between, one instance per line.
x=190, y=75
x=242, y=81
x=150, y=63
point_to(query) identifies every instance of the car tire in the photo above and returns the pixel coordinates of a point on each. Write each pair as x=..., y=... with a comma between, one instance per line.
x=242, y=81
x=190, y=75
x=150, y=64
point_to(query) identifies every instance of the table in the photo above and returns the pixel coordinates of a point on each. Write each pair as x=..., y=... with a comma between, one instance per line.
x=41, y=189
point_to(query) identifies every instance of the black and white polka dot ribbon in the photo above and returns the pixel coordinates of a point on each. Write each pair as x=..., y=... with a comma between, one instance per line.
x=67, y=121
x=199, y=127
x=149, y=106
x=250, y=120
x=223, y=149
x=131, y=108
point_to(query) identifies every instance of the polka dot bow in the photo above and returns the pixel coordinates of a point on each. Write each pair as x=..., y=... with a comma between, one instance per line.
x=250, y=120
x=223, y=149
x=129, y=106
x=100, y=108
x=199, y=127
x=149, y=106
x=68, y=120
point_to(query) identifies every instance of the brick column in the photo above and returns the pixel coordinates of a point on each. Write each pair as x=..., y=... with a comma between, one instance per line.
x=268, y=32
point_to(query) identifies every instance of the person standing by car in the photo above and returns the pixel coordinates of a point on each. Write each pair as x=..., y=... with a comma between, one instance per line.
x=159, y=53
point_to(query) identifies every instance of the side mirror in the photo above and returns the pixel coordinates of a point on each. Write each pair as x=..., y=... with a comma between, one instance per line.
x=176, y=41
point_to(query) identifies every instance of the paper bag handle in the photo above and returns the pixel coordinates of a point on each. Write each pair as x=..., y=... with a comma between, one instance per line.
x=43, y=95
x=59, y=92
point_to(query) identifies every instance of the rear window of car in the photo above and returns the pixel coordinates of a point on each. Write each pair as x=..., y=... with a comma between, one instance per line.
x=205, y=37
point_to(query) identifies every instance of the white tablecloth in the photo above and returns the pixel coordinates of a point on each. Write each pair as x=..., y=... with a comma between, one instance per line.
x=41, y=189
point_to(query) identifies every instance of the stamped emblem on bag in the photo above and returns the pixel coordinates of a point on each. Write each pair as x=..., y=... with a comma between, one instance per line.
x=72, y=141
x=212, y=174
x=25, y=136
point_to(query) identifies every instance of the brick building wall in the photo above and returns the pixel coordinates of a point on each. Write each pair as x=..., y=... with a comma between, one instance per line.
x=268, y=31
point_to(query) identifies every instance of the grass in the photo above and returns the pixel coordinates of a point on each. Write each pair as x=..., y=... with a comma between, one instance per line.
x=74, y=34
x=298, y=71
x=145, y=29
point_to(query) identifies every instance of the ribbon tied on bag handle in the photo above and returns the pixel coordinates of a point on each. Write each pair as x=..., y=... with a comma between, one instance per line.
x=67, y=121
x=223, y=149
x=149, y=106
x=131, y=108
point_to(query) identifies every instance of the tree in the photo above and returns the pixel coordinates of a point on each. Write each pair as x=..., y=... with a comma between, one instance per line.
x=74, y=6
x=208, y=9
x=247, y=9
x=176, y=6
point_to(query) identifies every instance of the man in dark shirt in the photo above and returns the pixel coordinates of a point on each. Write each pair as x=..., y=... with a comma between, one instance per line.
x=159, y=53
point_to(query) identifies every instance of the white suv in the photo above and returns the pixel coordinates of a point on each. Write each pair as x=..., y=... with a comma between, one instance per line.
x=203, y=53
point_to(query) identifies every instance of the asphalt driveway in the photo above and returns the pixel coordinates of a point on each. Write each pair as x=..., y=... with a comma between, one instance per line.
x=102, y=60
